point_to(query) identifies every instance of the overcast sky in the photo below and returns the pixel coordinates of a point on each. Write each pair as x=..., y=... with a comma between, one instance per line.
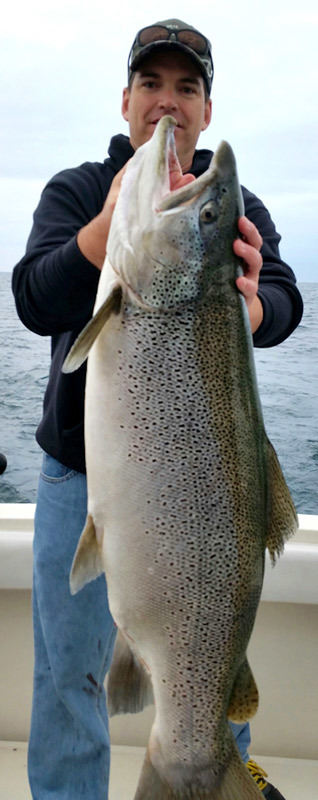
x=63, y=67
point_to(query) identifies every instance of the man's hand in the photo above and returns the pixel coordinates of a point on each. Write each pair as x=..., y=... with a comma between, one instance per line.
x=248, y=248
x=112, y=197
x=92, y=239
x=176, y=176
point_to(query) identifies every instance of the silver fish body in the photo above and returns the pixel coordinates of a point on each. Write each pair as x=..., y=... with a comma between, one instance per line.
x=185, y=491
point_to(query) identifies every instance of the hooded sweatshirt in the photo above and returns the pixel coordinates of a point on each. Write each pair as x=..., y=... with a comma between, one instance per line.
x=55, y=286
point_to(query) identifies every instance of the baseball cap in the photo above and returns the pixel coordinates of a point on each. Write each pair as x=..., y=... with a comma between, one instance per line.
x=177, y=35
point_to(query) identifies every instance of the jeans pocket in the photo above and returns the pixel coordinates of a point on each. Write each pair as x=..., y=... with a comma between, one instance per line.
x=55, y=472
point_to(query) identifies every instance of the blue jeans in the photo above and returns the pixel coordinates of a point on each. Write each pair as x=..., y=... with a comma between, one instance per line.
x=69, y=744
x=242, y=735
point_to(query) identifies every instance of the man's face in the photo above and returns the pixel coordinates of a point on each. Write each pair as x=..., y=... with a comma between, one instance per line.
x=167, y=83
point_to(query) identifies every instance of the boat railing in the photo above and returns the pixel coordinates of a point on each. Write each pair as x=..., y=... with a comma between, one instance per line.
x=292, y=580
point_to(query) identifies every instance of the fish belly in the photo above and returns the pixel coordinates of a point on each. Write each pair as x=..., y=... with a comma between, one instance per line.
x=183, y=539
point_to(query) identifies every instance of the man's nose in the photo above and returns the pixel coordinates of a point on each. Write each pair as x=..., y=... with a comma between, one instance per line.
x=168, y=101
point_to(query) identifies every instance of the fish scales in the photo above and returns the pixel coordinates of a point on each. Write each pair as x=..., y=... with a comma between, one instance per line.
x=178, y=485
x=177, y=496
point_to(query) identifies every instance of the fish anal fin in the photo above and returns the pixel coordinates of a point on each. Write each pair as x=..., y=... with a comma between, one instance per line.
x=129, y=686
x=81, y=347
x=87, y=563
x=192, y=783
x=283, y=520
x=244, y=698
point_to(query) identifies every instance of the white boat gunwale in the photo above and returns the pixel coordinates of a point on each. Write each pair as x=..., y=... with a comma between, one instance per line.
x=292, y=580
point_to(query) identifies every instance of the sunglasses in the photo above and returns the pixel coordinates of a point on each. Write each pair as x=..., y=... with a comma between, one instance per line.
x=159, y=33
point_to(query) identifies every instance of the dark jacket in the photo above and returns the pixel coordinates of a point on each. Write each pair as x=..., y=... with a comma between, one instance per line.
x=55, y=286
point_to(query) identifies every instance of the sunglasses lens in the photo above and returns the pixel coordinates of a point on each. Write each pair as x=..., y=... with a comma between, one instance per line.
x=157, y=33
x=153, y=34
x=193, y=40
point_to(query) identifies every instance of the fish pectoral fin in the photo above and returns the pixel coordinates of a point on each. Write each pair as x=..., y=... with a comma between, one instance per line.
x=87, y=563
x=283, y=521
x=129, y=687
x=81, y=347
x=244, y=698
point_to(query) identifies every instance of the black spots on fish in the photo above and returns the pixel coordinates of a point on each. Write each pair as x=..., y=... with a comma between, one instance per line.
x=201, y=539
x=239, y=429
x=177, y=285
x=244, y=696
x=176, y=268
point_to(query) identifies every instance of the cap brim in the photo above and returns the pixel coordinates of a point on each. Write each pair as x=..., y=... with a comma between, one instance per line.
x=166, y=45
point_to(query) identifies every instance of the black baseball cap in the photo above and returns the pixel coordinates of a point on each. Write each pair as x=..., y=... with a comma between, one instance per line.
x=177, y=35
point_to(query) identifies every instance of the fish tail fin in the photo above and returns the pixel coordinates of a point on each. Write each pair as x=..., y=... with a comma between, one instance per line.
x=87, y=563
x=283, y=520
x=129, y=686
x=235, y=783
x=244, y=698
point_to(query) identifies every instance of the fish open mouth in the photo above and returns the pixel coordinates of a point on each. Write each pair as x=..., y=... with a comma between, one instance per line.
x=223, y=163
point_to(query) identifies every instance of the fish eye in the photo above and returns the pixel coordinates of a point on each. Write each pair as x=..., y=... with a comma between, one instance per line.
x=209, y=212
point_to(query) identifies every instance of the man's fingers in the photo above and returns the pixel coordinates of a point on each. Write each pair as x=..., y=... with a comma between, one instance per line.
x=247, y=287
x=250, y=255
x=248, y=249
x=250, y=233
x=177, y=181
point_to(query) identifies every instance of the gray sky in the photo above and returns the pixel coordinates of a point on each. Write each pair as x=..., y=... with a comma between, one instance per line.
x=63, y=67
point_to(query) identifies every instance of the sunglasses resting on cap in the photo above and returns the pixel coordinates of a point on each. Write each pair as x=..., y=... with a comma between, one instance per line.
x=173, y=33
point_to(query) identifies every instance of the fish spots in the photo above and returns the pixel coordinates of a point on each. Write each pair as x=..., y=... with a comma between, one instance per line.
x=172, y=282
x=194, y=521
x=182, y=492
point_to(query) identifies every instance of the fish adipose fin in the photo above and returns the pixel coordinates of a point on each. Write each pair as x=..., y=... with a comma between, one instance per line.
x=87, y=563
x=235, y=784
x=129, y=686
x=244, y=698
x=283, y=521
x=81, y=347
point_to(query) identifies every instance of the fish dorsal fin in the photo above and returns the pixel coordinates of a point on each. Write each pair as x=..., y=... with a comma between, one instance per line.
x=283, y=520
x=81, y=347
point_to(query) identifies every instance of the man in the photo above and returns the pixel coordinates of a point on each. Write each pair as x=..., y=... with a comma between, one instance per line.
x=170, y=71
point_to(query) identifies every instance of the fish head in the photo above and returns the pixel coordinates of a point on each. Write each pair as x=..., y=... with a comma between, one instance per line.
x=165, y=245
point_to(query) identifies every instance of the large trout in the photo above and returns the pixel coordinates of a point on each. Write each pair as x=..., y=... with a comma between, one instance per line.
x=184, y=489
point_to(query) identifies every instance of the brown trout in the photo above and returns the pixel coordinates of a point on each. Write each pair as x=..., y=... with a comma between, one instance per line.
x=184, y=489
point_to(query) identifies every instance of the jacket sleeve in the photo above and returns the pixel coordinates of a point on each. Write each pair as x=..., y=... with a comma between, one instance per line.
x=54, y=284
x=279, y=295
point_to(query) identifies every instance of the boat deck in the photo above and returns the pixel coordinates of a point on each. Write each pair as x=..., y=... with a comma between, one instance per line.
x=297, y=779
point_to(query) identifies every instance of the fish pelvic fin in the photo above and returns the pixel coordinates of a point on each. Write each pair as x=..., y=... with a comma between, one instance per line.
x=244, y=698
x=87, y=563
x=283, y=521
x=235, y=783
x=129, y=687
x=81, y=347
